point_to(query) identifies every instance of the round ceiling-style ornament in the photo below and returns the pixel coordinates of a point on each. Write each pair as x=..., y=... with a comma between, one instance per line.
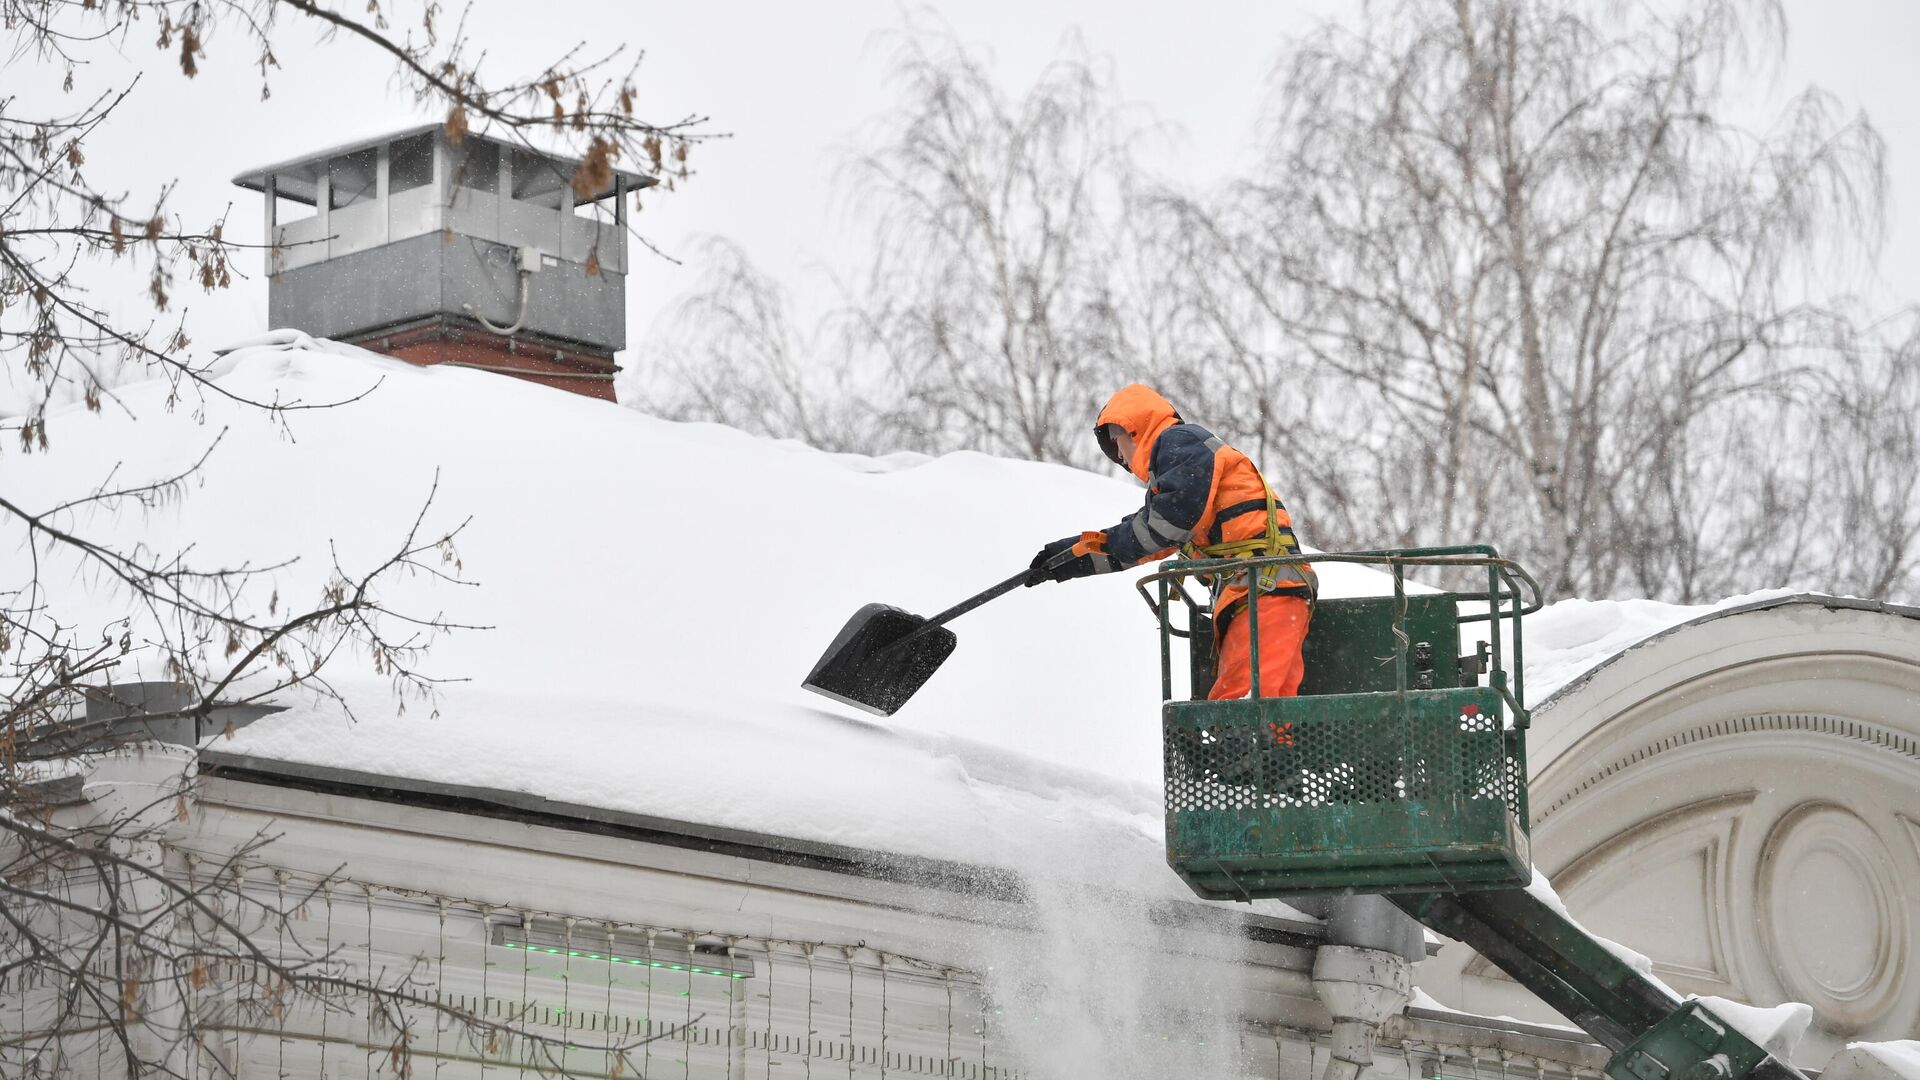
x=1831, y=913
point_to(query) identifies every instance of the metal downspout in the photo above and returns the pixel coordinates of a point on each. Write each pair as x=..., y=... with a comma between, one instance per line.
x=1361, y=989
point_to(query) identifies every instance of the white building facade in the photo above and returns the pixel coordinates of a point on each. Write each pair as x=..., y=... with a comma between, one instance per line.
x=1736, y=798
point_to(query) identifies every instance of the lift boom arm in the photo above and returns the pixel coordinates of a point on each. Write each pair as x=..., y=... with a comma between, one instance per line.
x=1653, y=1034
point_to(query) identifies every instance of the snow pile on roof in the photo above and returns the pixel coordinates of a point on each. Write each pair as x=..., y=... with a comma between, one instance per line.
x=656, y=591
x=1566, y=640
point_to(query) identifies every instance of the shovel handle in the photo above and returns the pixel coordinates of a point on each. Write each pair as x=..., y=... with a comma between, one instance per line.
x=992, y=593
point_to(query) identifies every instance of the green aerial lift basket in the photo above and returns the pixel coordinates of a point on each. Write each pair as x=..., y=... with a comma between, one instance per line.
x=1394, y=771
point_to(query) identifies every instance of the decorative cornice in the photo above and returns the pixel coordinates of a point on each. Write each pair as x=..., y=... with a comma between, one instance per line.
x=1893, y=742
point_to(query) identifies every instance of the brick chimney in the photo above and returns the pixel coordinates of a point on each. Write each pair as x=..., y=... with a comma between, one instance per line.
x=474, y=253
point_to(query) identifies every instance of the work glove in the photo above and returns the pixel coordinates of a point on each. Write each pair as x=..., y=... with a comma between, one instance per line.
x=1038, y=570
x=1050, y=565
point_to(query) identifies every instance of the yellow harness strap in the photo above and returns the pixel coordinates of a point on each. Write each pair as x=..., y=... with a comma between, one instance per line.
x=1277, y=540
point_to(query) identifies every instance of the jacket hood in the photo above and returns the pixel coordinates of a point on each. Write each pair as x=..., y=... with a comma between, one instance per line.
x=1142, y=413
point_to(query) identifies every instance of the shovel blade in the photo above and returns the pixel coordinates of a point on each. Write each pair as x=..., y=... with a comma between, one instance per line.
x=867, y=667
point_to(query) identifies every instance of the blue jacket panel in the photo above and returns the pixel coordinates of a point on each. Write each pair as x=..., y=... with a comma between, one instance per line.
x=1179, y=479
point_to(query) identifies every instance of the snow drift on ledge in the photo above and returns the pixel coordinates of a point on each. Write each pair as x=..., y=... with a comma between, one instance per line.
x=657, y=590
x=1896, y=1059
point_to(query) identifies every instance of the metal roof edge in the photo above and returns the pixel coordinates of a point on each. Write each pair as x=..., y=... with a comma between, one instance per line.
x=943, y=874
x=1825, y=600
x=255, y=179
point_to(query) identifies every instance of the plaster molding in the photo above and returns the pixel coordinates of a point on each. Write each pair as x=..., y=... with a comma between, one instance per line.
x=1708, y=831
x=1906, y=745
x=1739, y=798
x=1704, y=832
x=1821, y=854
x=1812, y=889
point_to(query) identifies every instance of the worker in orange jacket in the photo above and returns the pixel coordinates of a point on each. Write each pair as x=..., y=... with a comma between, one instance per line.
x=1206, y=500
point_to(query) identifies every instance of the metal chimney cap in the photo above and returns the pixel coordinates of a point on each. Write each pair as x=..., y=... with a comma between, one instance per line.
x=256, y=179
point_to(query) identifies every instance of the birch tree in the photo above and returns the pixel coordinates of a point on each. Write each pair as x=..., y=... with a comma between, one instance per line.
x=991, y=294
x=1543, y=263
x=115, y=959
x=1505, y=272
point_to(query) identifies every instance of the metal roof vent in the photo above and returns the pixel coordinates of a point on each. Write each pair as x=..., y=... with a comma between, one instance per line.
x=476, y=253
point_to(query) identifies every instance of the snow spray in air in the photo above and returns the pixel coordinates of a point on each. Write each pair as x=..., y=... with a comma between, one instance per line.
x=1112, y=978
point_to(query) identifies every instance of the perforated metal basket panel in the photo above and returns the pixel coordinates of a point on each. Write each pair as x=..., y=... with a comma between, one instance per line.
x=1345, y=792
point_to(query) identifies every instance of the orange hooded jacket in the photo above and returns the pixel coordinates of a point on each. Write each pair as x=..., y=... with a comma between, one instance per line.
x=1200, y=493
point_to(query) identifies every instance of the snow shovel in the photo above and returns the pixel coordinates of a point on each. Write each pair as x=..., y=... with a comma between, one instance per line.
x=883, y=655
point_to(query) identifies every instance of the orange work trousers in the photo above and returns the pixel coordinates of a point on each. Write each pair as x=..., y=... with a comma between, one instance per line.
x=1283, y=630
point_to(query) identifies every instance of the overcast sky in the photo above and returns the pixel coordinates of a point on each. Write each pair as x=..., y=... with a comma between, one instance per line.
x=794, y=85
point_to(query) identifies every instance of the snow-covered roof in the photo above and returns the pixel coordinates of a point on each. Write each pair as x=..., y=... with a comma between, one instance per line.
x=656, y=591
x=1568, y=643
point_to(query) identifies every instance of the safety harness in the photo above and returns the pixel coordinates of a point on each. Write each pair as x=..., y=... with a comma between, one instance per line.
x=1277, y=540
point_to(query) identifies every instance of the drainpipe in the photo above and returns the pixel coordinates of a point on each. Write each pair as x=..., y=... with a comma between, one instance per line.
x=1361, y=988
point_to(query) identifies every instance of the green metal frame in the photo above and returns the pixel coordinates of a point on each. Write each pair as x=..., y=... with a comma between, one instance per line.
x=1511, y=592
x=1352, y=643
x=1392, y=778
x=1689, y=1043
x=1411, y=785
x=1652, y=1034
x=1373, y=793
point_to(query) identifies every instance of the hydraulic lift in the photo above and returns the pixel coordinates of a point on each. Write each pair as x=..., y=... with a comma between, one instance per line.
x=1401, y=770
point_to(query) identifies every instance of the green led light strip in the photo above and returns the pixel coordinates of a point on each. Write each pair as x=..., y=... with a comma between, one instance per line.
x=625, y=960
